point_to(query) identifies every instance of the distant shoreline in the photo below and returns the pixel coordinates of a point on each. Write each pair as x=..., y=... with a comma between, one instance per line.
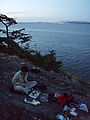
x=78, y=22
x=62, y=22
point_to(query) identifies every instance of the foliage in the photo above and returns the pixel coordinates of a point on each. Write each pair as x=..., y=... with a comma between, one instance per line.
x=18, y=34
x=3, y=31
x=7, y=21
x=47, y=62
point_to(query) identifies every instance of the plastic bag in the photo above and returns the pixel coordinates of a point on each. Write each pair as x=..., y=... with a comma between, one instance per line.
x=61, y=117
x=83, y=107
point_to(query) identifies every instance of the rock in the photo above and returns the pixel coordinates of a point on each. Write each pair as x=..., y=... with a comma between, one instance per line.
x=12, y=105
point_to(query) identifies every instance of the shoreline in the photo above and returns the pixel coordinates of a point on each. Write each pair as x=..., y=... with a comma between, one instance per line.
x=75, y=76
x=64, y=73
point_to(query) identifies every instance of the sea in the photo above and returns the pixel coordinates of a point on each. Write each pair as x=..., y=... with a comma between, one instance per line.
x=70, y=41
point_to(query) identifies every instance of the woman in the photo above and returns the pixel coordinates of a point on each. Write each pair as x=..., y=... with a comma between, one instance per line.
x=20, y=80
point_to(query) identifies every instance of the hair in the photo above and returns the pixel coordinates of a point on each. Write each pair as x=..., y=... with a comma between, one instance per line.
x=24, y=69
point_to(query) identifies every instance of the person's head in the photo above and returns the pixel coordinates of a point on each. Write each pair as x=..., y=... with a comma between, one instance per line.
x=24, y=69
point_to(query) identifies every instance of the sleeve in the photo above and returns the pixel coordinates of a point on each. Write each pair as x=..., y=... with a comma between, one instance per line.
x=26, y=77
x=15, y=78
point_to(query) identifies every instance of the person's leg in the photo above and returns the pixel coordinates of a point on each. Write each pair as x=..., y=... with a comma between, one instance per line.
x=21, y=89
x=31, y=84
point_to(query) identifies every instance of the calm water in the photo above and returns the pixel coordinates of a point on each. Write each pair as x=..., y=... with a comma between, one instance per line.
x=70, y=41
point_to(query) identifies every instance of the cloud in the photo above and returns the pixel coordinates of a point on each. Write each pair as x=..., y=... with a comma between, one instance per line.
x=17, y=12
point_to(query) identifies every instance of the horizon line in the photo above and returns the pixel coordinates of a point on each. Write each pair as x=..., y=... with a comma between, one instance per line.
x=64, y=21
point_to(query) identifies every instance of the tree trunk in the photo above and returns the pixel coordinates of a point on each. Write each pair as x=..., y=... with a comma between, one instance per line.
x=7, y=31
x=7, y=35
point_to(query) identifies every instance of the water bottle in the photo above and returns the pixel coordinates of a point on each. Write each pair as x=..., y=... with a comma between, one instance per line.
x=44, y=97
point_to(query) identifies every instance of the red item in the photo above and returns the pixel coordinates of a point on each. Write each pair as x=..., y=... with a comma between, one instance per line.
x=65, y=98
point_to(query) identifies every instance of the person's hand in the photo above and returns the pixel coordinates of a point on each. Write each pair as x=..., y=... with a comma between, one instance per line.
x=23, y=84
x=26, y=82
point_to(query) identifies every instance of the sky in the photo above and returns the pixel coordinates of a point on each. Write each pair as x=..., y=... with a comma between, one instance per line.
x=46, y=10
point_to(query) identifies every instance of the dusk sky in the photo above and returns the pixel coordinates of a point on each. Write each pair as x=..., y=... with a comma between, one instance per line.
x=46, y=10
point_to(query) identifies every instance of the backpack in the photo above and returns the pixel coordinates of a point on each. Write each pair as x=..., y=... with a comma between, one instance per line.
x=65, y=98
x=52, y=98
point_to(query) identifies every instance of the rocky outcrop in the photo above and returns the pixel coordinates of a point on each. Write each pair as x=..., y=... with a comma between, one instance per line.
x=12, y=105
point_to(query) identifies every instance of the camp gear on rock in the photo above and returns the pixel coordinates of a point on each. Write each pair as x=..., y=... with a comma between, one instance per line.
x=57, y=94
x=73, y=105
x=73, y=112
x=52, y=98
x=31, y=84
x=65, y=98
x=26, y=101
x=61, y=117
x=34, y=102
x=34, y=94
x=41, y=86
x=44, y=97
x=65, y=108
x=83, y=107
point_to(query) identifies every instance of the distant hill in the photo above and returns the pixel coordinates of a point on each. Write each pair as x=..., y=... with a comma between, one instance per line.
x=78, y=22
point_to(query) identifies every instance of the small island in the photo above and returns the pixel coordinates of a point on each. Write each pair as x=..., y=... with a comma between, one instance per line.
x=78, y=22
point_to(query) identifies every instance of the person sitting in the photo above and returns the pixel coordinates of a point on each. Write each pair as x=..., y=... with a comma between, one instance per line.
x=20, y=81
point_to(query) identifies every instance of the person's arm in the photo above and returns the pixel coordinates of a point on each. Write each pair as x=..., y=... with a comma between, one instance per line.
x=26, y=77
x=15, y=80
